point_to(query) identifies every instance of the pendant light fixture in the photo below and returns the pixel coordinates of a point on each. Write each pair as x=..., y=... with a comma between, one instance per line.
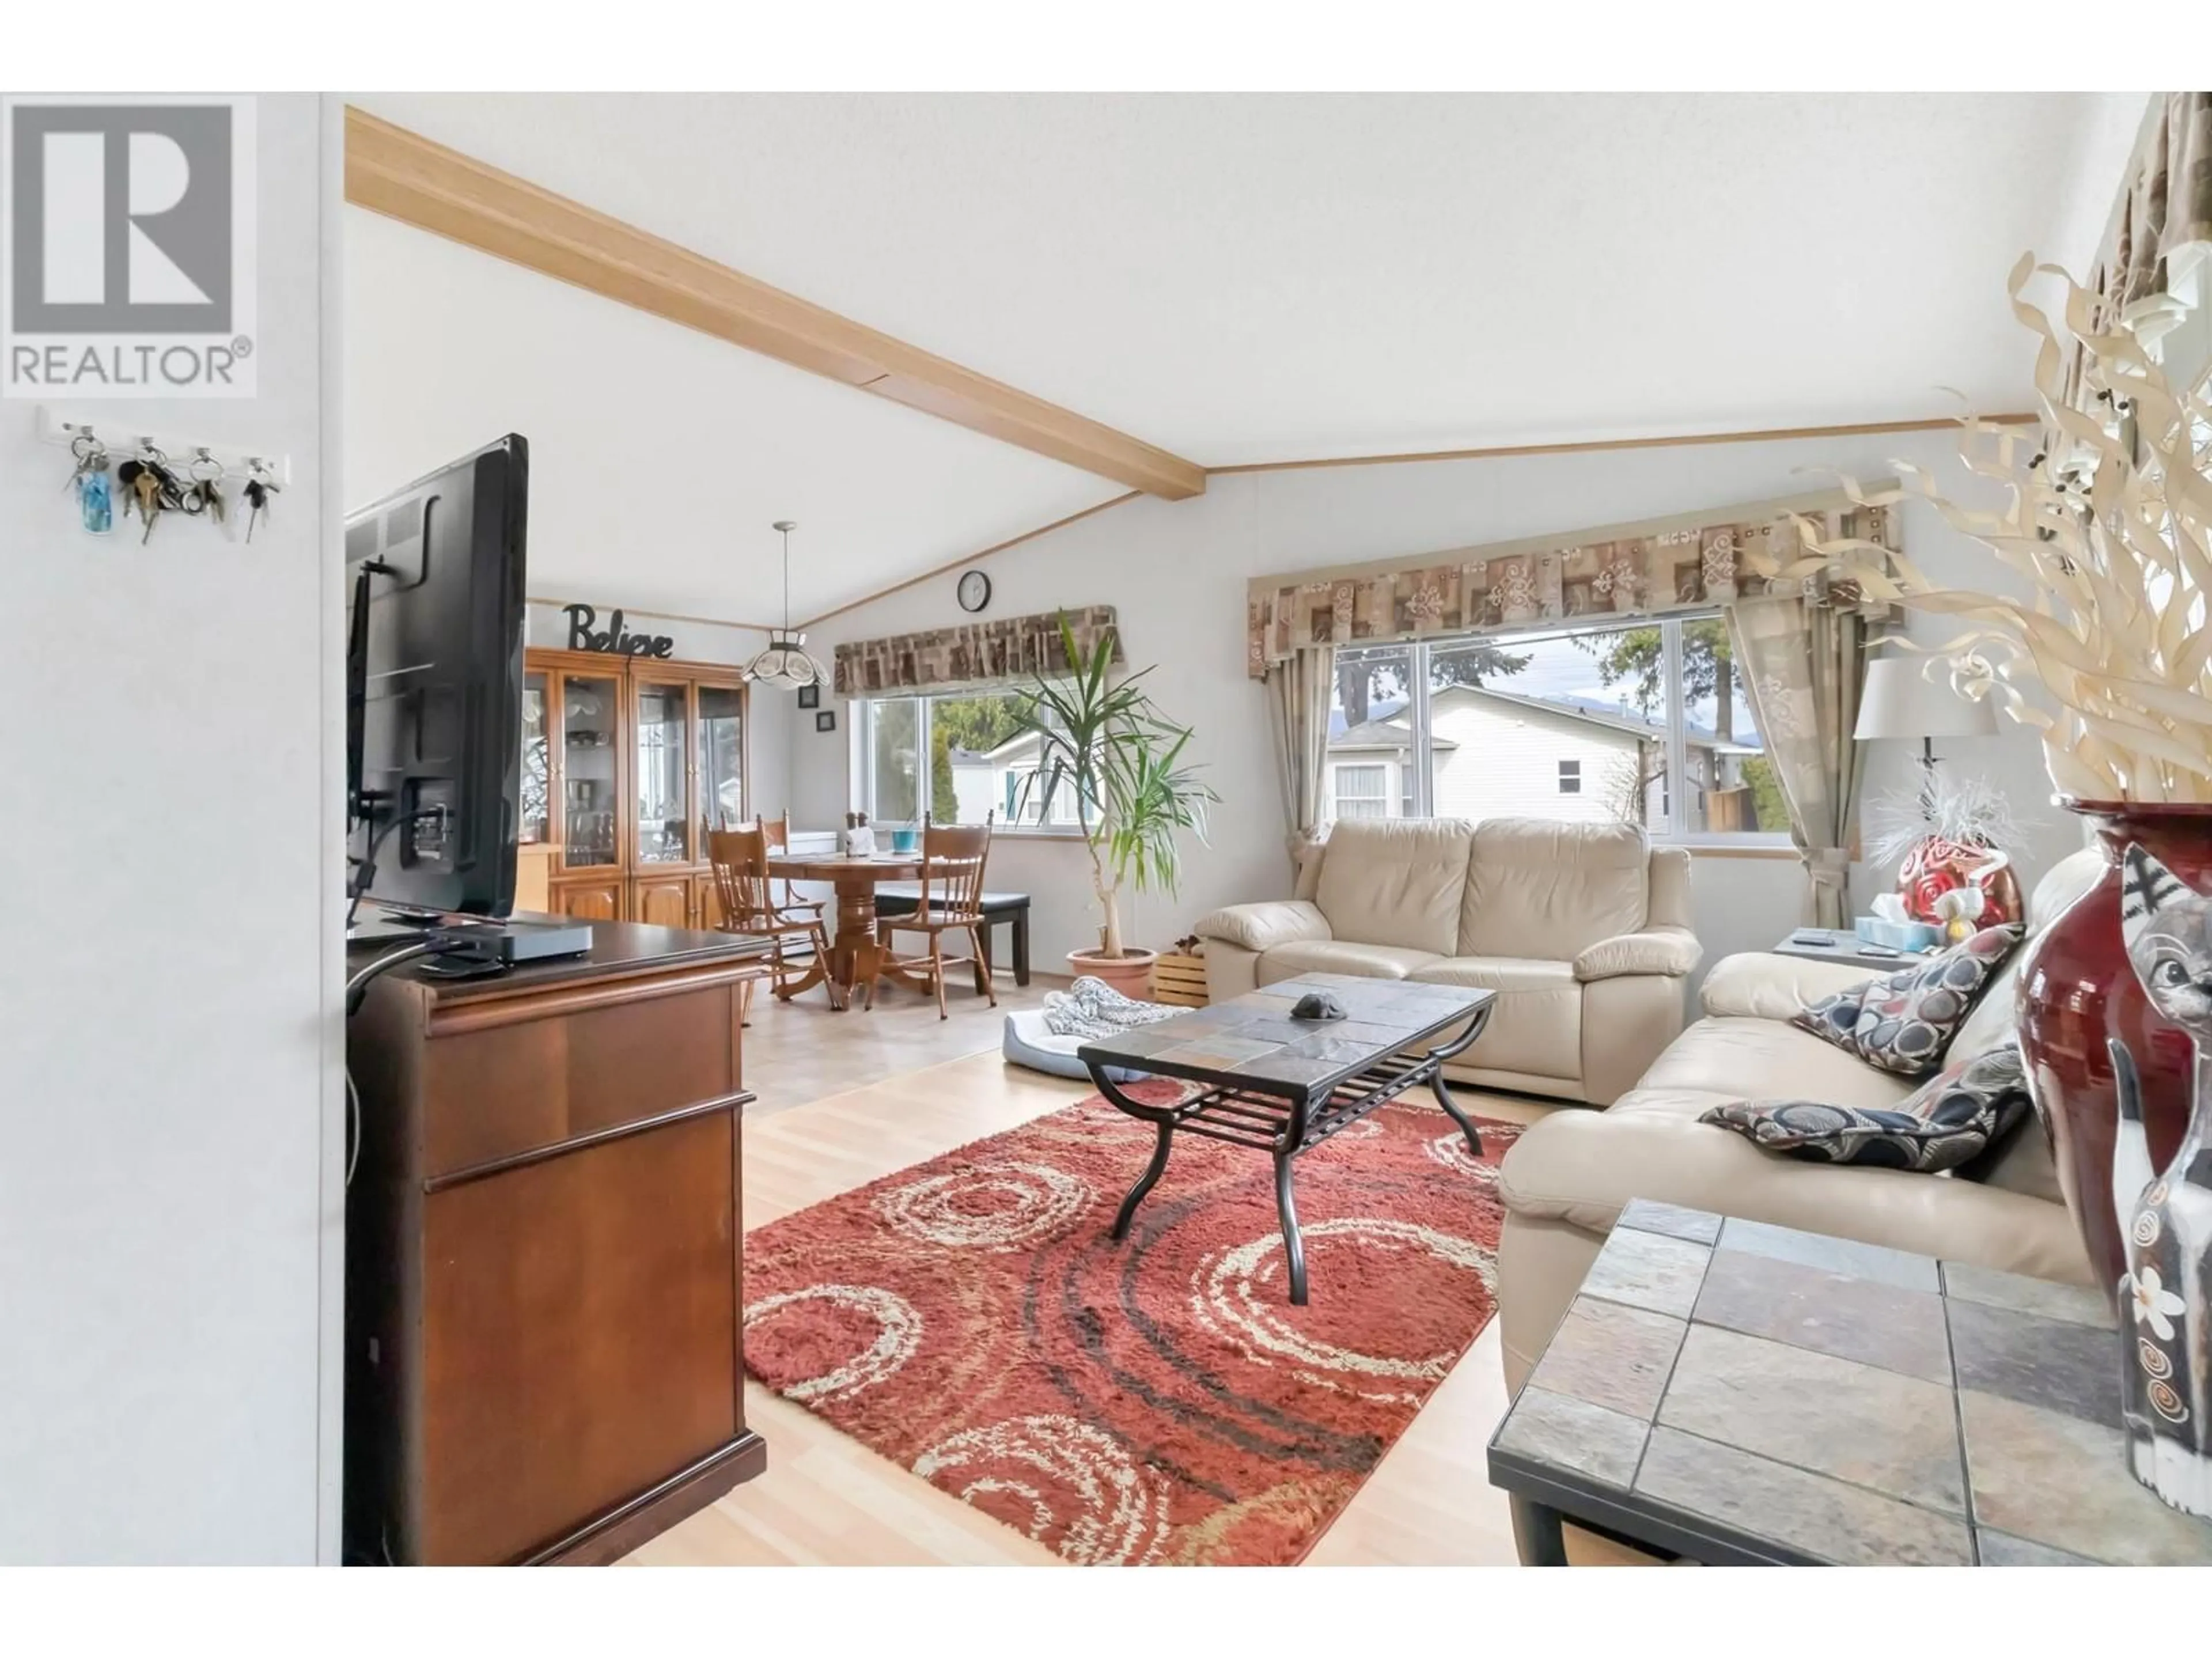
x=786, y=662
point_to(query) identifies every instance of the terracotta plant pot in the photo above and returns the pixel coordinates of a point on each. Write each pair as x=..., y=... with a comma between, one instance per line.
x=2076, y=990
x=1130, y=973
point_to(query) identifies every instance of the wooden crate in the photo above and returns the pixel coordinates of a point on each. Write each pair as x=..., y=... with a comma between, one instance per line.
x=1179, y=980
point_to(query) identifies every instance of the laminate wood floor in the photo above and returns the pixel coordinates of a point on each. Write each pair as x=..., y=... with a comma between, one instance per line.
x=873, y=1102
x=804, y=1051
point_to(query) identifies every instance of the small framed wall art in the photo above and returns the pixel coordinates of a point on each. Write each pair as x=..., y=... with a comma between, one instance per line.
x=826, y=720
x=810, y=696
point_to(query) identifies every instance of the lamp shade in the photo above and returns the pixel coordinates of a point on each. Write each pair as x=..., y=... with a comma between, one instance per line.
x=1900, y=700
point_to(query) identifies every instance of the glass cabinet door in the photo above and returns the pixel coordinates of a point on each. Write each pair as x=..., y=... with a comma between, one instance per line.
x=590, y=715
x=537, y=762
x=721, y=758
x=663, y=769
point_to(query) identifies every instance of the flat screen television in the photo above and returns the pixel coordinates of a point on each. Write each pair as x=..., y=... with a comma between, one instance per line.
x=433, y=685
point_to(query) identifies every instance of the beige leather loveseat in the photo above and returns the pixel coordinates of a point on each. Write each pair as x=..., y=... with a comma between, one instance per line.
x=1566, y=1179
x=1582, y=929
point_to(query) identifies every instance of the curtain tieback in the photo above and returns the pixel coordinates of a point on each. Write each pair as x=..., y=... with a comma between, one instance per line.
x=1828, y=866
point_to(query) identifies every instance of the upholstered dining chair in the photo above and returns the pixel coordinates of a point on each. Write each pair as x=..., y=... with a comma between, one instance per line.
x=749, y=906
x=953, y=860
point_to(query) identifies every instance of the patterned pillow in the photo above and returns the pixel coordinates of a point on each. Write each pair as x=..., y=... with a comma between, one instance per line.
x=1903, y=1022
x=1946, y=1122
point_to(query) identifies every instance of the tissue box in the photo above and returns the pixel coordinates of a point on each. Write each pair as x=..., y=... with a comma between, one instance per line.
x=1900, y=935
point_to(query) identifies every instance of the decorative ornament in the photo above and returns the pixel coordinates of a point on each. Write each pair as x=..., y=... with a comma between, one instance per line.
x=2165, y=1310
x=785, y=662
x=1958, y=913
x=1949, y=836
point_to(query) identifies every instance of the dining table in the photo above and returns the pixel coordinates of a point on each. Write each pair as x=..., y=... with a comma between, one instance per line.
x=856, y=956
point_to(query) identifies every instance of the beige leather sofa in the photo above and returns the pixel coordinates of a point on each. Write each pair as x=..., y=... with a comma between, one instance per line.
x=1566, y=1179
x=1582, y=929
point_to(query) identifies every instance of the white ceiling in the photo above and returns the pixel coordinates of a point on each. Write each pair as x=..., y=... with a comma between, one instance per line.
x=659, y=457
x=1236, y=278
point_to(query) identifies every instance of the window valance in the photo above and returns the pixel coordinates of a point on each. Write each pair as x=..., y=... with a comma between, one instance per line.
x=986, y=654
x=1687, y=562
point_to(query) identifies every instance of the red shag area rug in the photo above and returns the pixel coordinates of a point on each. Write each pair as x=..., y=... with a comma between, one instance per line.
x=1156, y=1400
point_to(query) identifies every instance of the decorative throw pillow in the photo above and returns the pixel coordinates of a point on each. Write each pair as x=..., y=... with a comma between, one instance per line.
x=1946, y=1122
x=1903, y=1022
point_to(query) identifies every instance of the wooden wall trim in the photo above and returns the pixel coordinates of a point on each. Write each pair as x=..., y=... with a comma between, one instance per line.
x=405, y=176
x=1595, y=447
x=1600, y=446
x=951, y=565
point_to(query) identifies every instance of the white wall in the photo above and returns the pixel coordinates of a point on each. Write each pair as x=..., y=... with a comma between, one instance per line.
x=1176, y=571
x=171, y=1110
x=772, y=713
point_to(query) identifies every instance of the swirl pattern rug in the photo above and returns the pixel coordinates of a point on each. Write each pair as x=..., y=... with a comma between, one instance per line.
x=1157, y=1400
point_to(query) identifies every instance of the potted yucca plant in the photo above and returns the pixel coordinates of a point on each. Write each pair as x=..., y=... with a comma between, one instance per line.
x=2108, y=516
x=1102, y=743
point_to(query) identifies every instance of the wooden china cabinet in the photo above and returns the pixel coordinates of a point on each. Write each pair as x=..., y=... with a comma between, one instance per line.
x=627, y=762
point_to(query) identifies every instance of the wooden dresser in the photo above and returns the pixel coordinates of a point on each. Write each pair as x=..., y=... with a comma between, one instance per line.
x=544, y=1286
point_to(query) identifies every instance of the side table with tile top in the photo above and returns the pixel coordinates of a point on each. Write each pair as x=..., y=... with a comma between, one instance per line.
x=1743, y=1394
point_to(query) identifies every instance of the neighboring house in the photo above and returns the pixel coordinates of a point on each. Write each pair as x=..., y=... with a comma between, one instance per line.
x=1500, y=753
x=992, y=783
x=974, y=788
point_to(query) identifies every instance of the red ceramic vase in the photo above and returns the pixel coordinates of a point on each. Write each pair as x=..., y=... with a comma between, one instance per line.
x=2076, y=990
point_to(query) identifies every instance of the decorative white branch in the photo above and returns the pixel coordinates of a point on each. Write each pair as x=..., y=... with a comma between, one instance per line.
x=2109, y=515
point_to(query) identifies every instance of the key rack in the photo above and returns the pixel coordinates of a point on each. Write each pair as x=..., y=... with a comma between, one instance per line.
x=123, y=438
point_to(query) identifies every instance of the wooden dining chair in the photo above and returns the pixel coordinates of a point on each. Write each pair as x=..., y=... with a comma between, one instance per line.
x=953, y=860
x=778, y=831
x=749, y=906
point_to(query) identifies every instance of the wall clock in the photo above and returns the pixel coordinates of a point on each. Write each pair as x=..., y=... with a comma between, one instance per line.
x=975, y=591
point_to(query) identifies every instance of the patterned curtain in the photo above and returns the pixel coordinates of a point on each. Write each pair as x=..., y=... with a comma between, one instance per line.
x=1802, y=661
x=1688, y=562
x=1013, y=650
x=2163, y=220
x=1298, y=691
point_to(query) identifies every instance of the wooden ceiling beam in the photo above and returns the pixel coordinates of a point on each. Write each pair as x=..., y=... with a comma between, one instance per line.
x=407, y=177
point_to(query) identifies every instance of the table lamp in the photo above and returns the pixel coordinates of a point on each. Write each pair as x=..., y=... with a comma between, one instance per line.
x=1900, y=700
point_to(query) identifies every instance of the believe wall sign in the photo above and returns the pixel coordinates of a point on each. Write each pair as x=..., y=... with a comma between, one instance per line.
x=616, y=641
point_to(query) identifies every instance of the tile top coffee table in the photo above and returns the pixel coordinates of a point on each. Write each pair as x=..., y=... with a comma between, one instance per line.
x=1741, y=1394
x=1285, y=1086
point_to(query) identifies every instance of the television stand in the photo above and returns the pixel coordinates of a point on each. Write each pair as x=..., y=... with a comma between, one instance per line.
x=543, y=1231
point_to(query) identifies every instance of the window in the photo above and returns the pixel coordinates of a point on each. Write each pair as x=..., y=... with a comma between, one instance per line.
x=1361, y=791
x=956, y=758
x=1371, y=735
x=1592, y=724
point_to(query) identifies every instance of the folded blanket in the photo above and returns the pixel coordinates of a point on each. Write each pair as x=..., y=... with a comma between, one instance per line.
x=1092, y=1008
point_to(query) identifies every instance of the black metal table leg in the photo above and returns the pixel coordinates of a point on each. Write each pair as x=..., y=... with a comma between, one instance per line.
x=1145, y=1181
x=1294, y=1243
x=1451, y=1107
x=1536, y=1533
